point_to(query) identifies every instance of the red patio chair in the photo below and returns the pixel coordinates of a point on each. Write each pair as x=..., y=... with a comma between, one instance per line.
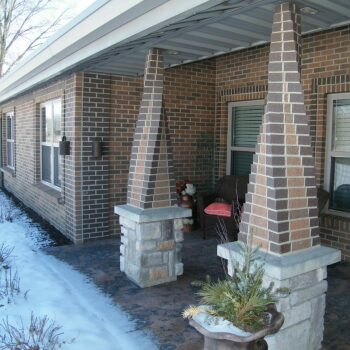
x=221, y=203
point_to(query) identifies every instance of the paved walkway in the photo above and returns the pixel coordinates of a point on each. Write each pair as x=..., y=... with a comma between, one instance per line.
x=158, y=309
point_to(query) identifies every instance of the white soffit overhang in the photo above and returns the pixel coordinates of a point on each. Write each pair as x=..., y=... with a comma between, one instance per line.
x=113, y=36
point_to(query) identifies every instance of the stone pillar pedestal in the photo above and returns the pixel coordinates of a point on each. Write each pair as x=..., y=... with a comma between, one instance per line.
x=305, y=275
x=151, y=243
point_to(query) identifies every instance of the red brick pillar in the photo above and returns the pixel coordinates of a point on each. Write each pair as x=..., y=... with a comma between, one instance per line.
x=281, y=204
x=151, y=177
x=151, y=224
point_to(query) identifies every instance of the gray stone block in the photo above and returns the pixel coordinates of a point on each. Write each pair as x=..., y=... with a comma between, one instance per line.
x=314, y=291
x=122, y=264
x=150, y=245
x=171, y=263
x=131, y=235
x=297, y=314
x=147, y=231
x=167, y=230
x=152, y=259
x=318, y=306
x=178, y=224
x=165, y=257
x=123, y=239
x=179, y=236
x=179, y=269
x=306, y=280
x=296, y=337
x=133, y=271
x=283, y=304
x=127, y=223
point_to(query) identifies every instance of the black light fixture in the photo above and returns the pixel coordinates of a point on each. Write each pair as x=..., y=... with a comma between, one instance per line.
x=64, y=147
x=96, y=148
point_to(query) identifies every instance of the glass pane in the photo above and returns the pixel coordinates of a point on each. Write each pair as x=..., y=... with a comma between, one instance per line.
x=241, y=162
x=246, y=121
x=57, y=122
x=46, y=123
x=56, y=165
x=340, y=199
x=10, y=154
x=341, y=125
x=43, y=124
x=9, y=127
x=46, y=163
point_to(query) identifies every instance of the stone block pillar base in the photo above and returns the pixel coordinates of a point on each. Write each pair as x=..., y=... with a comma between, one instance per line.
x=151, y=243
x=304, y=273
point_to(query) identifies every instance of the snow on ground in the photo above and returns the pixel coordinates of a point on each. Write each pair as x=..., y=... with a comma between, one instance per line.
x=65, y=296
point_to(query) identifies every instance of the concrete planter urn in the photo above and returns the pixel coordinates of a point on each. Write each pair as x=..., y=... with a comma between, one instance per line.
x=220, y=334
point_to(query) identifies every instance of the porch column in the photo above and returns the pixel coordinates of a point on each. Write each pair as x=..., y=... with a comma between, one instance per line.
x=281, y=204
x=151, y=222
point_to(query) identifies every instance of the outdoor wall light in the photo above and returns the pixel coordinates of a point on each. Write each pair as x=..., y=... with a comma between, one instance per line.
x=96, y=148
x=64, y=146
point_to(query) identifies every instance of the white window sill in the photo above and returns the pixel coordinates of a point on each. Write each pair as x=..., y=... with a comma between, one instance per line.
x=52, y=192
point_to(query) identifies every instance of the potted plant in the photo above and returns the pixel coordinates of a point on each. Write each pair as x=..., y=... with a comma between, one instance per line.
x=239, y=311
x=186, y=192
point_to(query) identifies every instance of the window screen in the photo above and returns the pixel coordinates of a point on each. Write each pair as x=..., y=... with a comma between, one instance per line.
x=340, y=156
x=50, y=114
x=245, y=128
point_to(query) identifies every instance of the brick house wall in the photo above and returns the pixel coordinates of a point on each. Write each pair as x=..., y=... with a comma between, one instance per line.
x=96, y=115
x=196, y=101
x=106, y=106
x=190, y=109
x=24, y=181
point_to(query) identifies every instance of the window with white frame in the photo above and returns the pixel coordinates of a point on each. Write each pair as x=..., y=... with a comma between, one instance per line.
x=337, y=170
x=244, y=123
x=10, y=140
x=50, y=127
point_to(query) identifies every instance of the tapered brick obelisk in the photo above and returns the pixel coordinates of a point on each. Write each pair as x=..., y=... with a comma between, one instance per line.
x=151, y=224
x=151, y=177
x=281, y=204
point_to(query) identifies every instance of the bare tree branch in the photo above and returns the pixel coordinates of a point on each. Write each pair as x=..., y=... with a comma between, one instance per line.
x=24, y=25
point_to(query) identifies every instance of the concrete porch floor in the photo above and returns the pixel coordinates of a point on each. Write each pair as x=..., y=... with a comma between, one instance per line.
x=158, y=309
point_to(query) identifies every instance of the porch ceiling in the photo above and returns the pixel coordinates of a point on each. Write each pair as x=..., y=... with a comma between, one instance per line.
x=229, y=26
x=113, y=36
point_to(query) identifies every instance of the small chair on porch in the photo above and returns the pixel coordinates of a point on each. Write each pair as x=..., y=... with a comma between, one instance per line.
x=222, y=203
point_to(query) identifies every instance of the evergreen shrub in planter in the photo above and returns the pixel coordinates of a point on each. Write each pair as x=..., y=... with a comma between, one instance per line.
x=239, y=311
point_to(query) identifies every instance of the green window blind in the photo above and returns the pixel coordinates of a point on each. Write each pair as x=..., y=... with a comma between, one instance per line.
x=246, y=121
x=241, y=162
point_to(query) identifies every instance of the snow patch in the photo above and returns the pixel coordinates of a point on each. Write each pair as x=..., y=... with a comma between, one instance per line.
x=65, y=296
x=218, y=324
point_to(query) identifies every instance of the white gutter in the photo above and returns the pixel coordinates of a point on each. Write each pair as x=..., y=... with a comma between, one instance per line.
x=104, y=24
